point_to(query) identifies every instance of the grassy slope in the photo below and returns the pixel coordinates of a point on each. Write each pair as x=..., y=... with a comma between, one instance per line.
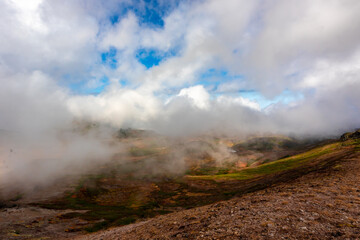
x=196, y=190
x=277, y=166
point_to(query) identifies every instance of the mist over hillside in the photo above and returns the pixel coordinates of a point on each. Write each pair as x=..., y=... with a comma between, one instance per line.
x=230, y=68
x=159, y=90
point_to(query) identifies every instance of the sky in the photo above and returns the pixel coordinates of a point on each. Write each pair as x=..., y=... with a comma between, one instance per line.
x=181, y=67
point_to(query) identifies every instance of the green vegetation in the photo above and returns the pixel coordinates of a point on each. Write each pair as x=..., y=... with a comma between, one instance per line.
x=17, y=197
x=111, y=201
x=276, y=166
x=208, y=170
x=259, y=144
x=140, y=152
x=354, y=142
x=265, y=144
x=107, y=215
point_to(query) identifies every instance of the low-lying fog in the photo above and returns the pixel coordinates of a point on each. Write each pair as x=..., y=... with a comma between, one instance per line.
x=232, y=68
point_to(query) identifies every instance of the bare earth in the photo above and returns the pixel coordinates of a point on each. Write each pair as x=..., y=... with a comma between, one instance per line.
x=23, y=221
x=319, y=205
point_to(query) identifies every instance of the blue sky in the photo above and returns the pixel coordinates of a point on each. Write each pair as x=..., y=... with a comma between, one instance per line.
x=149, y=12
x=180, y=68
x=144, y=62
x=152, y=15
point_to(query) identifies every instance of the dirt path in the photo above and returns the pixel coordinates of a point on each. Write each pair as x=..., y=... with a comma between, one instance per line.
x=319, y=205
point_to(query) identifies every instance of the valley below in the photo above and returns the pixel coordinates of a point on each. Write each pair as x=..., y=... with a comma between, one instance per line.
x=267, y=187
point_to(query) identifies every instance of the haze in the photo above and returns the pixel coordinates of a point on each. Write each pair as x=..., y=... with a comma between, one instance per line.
x=178, y=68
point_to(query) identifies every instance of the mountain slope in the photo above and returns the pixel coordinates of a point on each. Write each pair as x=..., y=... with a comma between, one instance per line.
x=320, y=205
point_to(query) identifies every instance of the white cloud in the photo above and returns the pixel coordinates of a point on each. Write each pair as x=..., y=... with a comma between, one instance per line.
x=198, y=96
x=297, y=34
x=118, y=107
x=307, y=47
x=124, y=35
x=51, y=36
x=231, y=86
x=28, y=14
x=328, y=74
x=239, y=101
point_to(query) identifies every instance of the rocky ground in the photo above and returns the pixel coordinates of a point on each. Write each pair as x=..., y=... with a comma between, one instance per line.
x=320, y=205
x=21, y=220
x=36, y=223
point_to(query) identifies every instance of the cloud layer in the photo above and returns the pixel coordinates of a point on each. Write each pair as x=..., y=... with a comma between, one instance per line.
x=181, y=66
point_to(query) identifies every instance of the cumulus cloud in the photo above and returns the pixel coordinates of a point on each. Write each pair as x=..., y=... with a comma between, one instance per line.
x=118, y=107
x=198, y=96
x=295, y=35
x=307, y=48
